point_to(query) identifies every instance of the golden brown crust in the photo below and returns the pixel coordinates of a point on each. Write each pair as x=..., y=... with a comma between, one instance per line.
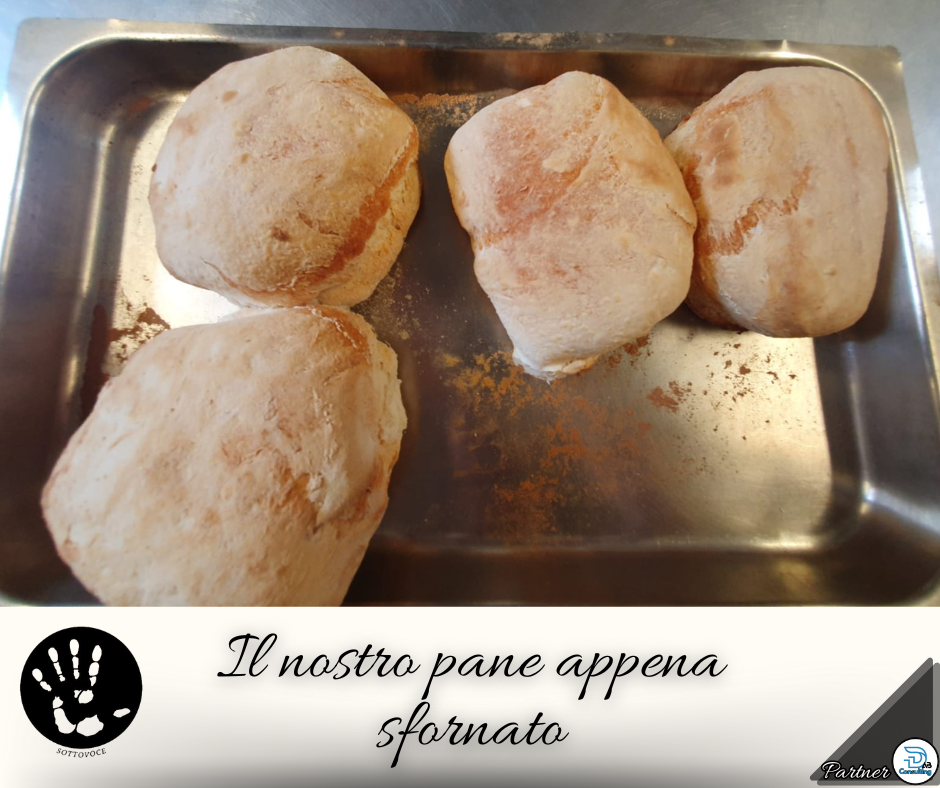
x=787, y=171
x=283, y=178
x=245, y=462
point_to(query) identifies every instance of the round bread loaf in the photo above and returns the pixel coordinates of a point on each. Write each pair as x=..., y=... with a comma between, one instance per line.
x=580, y=223
x=286, y=179
x=241, y=463
x=787, y=170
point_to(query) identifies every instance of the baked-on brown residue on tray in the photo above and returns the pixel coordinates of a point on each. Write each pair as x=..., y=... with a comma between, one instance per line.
x=662, y=400
x=457, y=108
x=124, y=341
x=433, y=111
x=139, y=105
x=110, y=346
x=572, y=453
x=631, y=350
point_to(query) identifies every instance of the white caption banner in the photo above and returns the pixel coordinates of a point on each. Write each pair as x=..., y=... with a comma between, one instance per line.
x=767, y=695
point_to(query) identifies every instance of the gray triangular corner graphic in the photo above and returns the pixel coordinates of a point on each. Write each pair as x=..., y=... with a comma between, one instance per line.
x=910, y=712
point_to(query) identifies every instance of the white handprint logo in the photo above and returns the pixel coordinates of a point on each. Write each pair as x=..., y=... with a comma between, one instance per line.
x=81, y=687
x=87, y=726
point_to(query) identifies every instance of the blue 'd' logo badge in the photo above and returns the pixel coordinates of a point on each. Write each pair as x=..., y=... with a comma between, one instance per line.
x=914, y=761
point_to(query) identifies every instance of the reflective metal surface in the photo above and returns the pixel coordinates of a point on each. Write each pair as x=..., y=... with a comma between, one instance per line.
x=693, y=466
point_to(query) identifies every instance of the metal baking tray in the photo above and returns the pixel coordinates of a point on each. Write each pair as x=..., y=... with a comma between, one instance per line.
x=693, y=466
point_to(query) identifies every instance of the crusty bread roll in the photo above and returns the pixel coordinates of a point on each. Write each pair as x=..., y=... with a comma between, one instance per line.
x=241, y=463
x=787, y=170
x=580, y=223
x=286, y=179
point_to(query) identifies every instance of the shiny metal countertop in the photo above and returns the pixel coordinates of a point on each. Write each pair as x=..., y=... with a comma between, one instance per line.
x=908, y=25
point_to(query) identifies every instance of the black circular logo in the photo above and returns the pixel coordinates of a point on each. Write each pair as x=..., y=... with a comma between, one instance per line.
x=81, y=687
